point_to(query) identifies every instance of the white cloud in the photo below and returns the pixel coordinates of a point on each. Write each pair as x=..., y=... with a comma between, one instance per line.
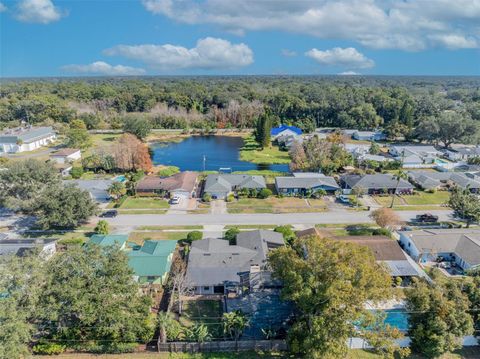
x=102, y=68
x=2, y=7
x=349, y=73
x=209, y=53
x=38, y=11
x=408, y=25
x=348, y=57
x=288, y=53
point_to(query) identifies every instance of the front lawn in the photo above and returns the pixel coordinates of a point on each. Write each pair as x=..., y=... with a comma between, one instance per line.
x=418, y=199
x=251, y=152
x=139, y=237
x=144, y=203
x=276, y=205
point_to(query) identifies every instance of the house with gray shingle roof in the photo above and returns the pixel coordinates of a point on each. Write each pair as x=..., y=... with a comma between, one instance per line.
x=221, y=185
x=463, y=153
x=216, y=267
x=375, y=184
x=461, y=246
x=23, y=139
x=444, y=180
x=301, y=183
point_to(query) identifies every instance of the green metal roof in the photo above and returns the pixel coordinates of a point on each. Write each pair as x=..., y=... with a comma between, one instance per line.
x=153, y=258
x=109, y=240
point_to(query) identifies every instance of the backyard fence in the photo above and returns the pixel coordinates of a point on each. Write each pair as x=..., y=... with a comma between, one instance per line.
x=223, y=346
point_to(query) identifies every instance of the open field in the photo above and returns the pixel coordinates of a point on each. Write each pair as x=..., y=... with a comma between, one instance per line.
x=251, y=152
x=418, y=199
x=276, y=205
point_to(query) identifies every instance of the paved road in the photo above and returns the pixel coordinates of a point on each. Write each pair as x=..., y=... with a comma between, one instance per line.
x=258, y=218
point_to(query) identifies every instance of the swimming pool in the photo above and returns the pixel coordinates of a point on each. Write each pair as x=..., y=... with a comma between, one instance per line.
x=120, y=178
x=397, y=318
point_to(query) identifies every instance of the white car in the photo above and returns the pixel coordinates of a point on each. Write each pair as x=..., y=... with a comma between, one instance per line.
x=175, y=200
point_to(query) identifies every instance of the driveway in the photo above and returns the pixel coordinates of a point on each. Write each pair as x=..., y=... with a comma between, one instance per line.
x=260, y=218
x=218, y=206
x=179, y=208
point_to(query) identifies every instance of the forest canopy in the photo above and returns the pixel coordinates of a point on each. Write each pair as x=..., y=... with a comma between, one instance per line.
x=397, y=104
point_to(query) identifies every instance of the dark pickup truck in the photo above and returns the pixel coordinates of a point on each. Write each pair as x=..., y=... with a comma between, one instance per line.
x=109, y=214
x=426, y=218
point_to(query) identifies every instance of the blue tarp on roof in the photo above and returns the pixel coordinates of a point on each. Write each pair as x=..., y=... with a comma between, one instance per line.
x=277, y=130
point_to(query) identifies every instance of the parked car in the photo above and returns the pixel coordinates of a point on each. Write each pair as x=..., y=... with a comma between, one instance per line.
x=343, y=199
x=426, y=218
x=109, y=214
x=175, y=200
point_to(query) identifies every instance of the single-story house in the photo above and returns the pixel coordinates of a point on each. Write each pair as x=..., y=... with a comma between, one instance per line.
x=66, y=155
x=375, y=184
x=444, y=180
x=284, y=130
x=23, y=139
x=63, y=168
x=462, y=153
x=287, y=141
x=102, y=240
x=182, y=184
x=461, y=246
x=375, y=158
x=216, y=267
x=96, y=188
x=369, y=136
x=388, y=252
x=20, y=247
x=413, y=156
x=466, y=168
x=357, y=149
x=300, y=183
x=150, y=262
x=221, y=185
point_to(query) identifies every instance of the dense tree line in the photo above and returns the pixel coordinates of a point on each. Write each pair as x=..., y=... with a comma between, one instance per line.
x=399, y=105
x=84, y=298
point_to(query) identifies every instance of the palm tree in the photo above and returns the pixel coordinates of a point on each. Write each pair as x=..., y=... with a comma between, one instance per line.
x=234, y=323
x=398, y=176
x=164, y=319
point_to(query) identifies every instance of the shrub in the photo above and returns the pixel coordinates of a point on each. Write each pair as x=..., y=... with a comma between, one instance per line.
x=264, y=193
x=194, y=236
x=381, y=232
x=48, y=348
x=102, y=227
x=77, y=172
x=109, y=348
x=230, y=198
x=207, y=197
x=431, y=190
x=72, y=241
x=287, y=232
x=231, y=235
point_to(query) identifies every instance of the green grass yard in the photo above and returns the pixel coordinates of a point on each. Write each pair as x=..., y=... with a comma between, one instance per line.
x=251, y=152
x=144, y=203
x=276, y=205
x=418, y=199
x=139, y=237
x=208, y=312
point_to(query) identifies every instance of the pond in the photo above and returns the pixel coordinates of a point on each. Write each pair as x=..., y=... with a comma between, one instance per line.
x=218, y=151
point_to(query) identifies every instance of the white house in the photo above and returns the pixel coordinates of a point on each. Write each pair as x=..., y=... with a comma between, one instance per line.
x=369, y=136
x=416, y=156
x=461, y=246
x=66, y=155
x=23, y=139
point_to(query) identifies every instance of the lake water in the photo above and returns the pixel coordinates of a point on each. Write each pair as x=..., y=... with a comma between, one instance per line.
x=219, y=152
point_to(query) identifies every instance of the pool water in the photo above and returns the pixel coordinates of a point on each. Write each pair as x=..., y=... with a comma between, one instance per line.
x=397, y=318
x=120, y=178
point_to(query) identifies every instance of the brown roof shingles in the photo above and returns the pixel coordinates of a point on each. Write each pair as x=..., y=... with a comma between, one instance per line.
x=182, y=180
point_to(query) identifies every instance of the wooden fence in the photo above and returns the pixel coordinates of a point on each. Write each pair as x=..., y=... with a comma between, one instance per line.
x=224, y=346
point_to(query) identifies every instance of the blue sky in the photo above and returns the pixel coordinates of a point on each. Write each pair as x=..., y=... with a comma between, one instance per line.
x=167, y=37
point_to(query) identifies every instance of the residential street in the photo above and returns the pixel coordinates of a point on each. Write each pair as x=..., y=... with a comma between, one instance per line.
x=340, y=217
